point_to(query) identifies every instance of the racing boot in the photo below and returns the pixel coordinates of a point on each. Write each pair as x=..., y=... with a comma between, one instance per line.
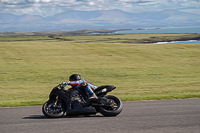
x=93, y=97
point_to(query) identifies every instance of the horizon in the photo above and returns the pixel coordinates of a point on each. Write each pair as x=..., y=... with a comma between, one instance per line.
x=99, y=19
x=109, y=31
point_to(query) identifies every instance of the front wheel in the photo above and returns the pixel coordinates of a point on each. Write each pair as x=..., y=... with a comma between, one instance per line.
x=113, y=107
x=53, y=109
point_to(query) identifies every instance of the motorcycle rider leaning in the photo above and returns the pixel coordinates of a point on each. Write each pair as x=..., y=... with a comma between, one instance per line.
x=75, y=80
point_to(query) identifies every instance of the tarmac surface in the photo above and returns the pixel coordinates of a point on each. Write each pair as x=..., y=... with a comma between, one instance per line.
x=159, y=116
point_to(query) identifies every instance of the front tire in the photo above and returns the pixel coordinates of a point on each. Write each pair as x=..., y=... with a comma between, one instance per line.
x=51, y=110
x=114, y=109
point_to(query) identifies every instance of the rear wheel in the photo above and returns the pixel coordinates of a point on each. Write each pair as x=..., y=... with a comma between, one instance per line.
x=53, y=109
x=112, y=108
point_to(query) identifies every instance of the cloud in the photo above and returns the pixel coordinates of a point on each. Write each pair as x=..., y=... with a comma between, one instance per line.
x=50, y=7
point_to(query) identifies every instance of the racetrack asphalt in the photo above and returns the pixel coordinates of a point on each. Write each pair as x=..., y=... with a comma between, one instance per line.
x=159, y=116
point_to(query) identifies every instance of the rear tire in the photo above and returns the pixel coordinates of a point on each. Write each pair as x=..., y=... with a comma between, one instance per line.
x=50, y=111
x=113, y=110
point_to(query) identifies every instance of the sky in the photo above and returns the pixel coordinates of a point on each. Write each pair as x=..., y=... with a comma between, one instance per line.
x=51, y=7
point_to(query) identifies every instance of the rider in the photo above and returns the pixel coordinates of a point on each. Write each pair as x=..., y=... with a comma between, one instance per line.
x=75, y=80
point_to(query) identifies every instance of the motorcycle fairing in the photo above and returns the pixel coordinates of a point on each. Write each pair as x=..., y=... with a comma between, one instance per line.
x=73, y=107
x=77, y=108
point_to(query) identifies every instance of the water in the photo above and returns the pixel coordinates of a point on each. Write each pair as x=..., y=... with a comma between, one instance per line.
x=164, y=30
x=168, y=30
x=181, y=42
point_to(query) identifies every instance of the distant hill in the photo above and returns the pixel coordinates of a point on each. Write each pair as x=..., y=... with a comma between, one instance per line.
x=102, y=19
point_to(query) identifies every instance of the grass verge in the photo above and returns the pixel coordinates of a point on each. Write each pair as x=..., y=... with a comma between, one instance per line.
x=30, y=69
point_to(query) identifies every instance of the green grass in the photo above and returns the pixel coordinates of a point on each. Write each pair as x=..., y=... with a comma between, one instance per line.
x=30, y=69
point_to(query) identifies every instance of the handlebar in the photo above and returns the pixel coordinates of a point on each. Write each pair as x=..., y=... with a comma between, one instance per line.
x=61, y=86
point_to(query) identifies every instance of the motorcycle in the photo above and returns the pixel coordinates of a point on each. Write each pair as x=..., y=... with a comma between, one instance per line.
x=75, y=101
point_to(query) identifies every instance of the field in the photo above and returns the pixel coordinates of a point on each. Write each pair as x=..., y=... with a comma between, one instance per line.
x=32, y=65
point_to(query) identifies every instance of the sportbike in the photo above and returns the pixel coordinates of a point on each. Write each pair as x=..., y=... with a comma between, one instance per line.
x=75, y=101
